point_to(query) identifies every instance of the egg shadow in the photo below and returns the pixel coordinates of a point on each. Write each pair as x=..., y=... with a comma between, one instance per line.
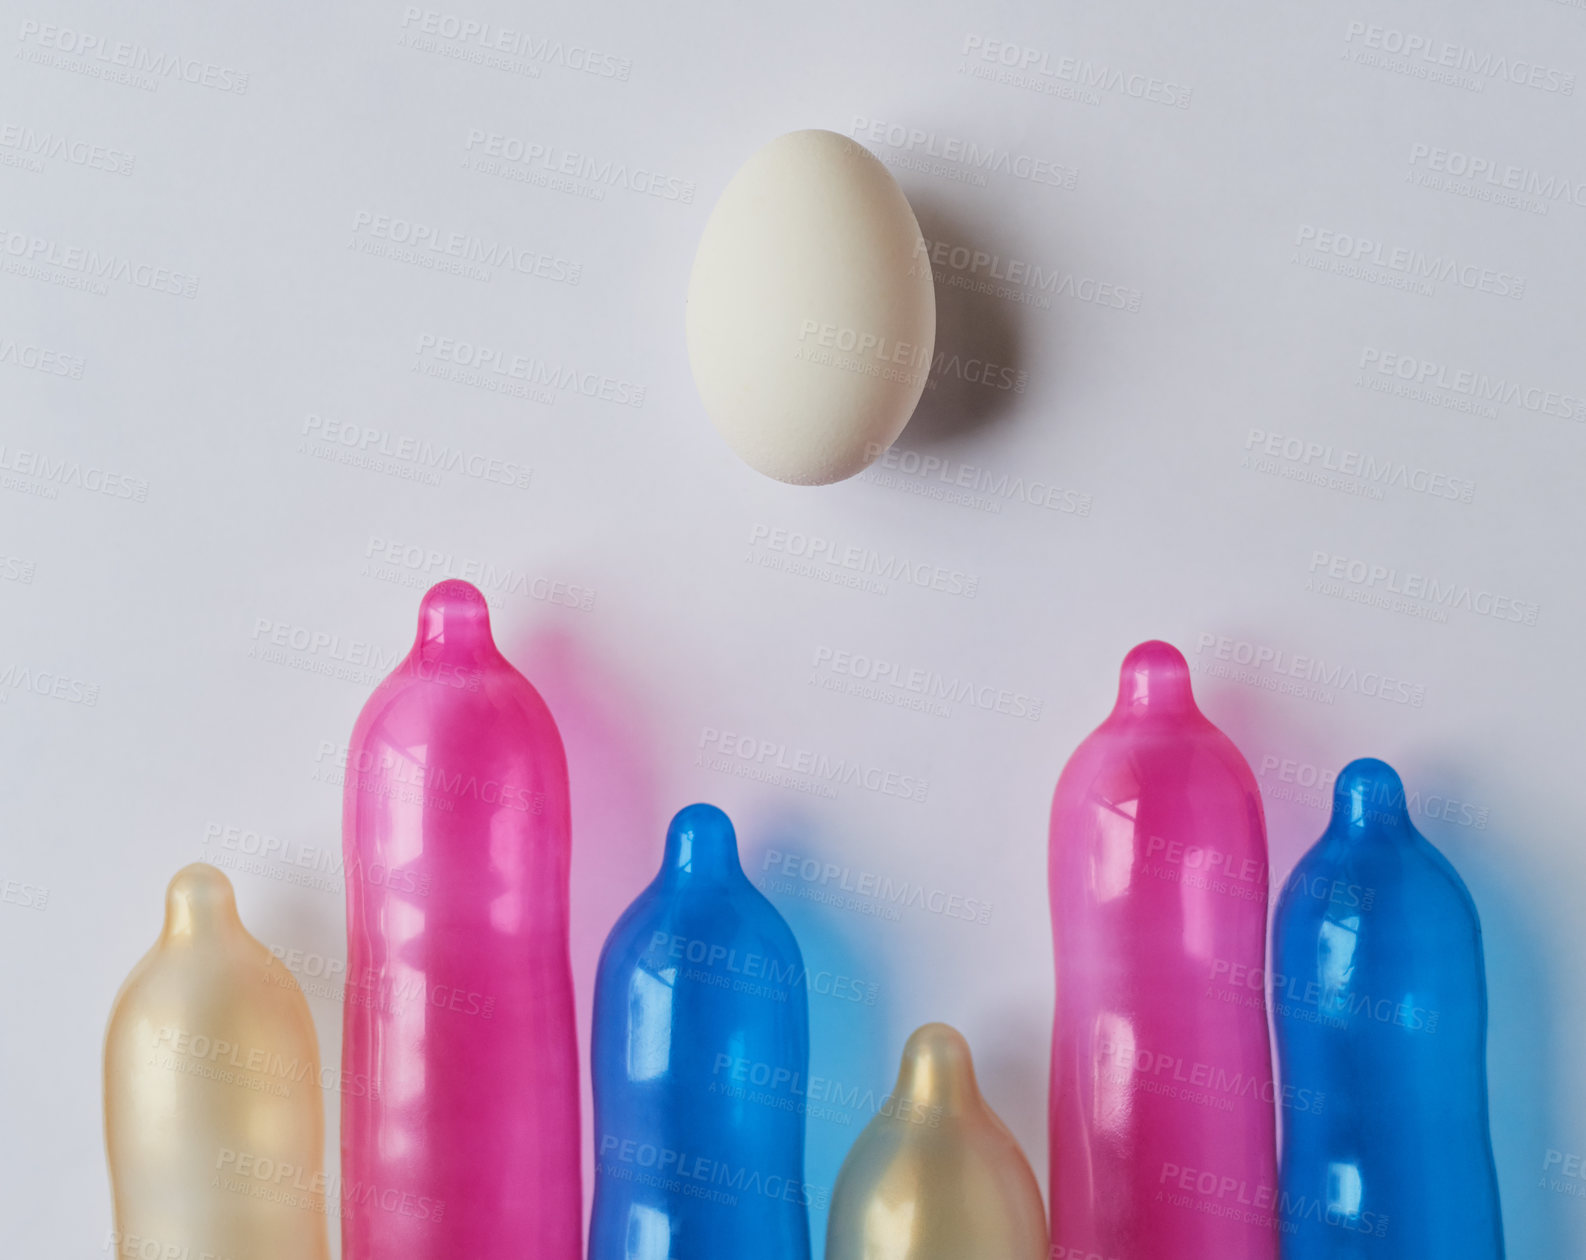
x=979, y=369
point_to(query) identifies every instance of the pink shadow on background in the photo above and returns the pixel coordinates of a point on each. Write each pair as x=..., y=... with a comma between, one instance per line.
x=619, y=818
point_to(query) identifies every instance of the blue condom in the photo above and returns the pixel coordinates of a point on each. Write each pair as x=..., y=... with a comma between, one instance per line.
x=700, y=1053
x=1380, y=1005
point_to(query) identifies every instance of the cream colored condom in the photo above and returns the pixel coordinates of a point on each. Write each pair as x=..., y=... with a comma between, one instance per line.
x=214, y=1120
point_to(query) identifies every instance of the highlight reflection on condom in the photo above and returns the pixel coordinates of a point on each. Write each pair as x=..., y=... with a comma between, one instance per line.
x=214, y=1119
x=938, y=1176
x=459, y=1002
x=1158, y=881
x=677, y=1034
x=1380, y=1007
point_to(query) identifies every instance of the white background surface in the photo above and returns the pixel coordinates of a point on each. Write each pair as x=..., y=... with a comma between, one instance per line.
x=223, y=416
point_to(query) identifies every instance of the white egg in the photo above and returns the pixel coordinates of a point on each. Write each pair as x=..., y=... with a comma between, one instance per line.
x=811, y=311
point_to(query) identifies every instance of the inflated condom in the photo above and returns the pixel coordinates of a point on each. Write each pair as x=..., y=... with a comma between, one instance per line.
x=214, y=1111
x=459, y=1117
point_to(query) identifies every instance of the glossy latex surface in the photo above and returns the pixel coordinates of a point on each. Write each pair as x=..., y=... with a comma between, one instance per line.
x=214, y=1117
x=1380, y=1005
x=459, y=999
x=1162, y=1115
x=700, y=1053
x=936, y=1175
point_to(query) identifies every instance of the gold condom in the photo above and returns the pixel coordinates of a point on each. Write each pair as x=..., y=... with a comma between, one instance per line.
x=214, y=1121
x=936, y=1175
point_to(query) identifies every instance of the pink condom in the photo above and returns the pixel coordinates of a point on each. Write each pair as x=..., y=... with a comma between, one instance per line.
x=1162, y=1105
x=460, y=1104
